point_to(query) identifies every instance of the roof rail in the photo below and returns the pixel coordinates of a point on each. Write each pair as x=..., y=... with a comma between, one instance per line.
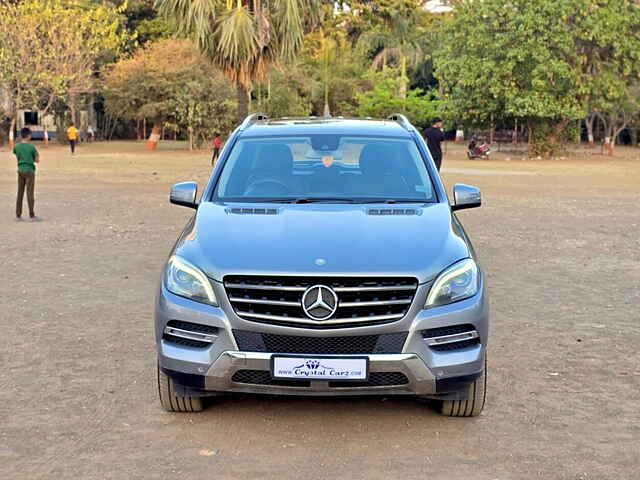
x=401, y=119
x=253, y=118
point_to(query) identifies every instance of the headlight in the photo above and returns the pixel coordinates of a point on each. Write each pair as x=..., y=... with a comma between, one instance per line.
x=457, y=282
x=185, y=280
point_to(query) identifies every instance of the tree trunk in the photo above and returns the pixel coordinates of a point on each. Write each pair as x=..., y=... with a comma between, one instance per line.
x=634, y=136
x=190, y=138
x=243, y=102
x=403, y=77
x=12, y=127
x=492, y=131
x=589, y=121
x=579, y=134
x=152, y=143
x=72, y=109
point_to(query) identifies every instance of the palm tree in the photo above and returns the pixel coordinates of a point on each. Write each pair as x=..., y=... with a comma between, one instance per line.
x=398, y=38
x=242, y=37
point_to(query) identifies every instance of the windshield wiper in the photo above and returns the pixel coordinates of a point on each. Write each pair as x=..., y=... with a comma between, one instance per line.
x=396, y=200
x=323, y=200
x=305, y=200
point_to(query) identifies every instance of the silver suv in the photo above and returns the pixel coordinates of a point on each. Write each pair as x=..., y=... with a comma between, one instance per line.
x=323, y=258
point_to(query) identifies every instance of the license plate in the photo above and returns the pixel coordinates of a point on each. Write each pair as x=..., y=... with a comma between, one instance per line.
x=319, y=368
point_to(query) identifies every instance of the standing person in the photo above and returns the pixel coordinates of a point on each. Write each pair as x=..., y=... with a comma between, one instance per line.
x=216, y=143
x=434, y=137
x=91, y=134
x=27, y=157
x=72, y=135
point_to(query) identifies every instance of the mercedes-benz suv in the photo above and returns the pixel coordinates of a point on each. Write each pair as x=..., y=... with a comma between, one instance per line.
x=323, y=258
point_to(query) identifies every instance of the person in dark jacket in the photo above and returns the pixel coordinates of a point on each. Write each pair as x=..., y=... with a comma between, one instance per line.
x=434, y=136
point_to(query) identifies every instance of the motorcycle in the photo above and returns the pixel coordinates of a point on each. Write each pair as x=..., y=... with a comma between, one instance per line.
x=478, y=151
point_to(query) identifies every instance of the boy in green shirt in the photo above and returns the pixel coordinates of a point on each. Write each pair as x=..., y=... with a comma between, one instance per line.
x=27, y=157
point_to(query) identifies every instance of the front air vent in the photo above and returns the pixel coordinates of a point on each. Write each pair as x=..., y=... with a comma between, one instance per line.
x=455, y=337
x=351, y=345
x=253, y=211
x=392, y=211
x=189, y=334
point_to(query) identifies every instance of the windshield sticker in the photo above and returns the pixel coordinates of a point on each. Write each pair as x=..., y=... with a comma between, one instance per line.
x=327, y=160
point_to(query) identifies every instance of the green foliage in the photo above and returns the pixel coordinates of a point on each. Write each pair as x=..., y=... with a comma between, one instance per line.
x=242, y=37
x=395, y=35
x=384, y=100
x=50, y=50
x=189, y=94
x=285, y=95
x=534, y=59
x=335, y=71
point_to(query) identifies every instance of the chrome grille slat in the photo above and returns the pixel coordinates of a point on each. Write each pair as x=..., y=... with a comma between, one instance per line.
x=246, y=286
x=376, y=303
x=202, y=337
x=280, y=318
x=360, y=300
x=374, y=289
x=264, y=302
x=456, y=337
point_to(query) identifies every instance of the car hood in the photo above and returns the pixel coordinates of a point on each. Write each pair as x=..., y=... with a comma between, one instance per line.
x=322, y=239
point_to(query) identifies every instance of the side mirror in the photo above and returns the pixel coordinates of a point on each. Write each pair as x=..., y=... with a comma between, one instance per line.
x=465, y=196
x=184, y=194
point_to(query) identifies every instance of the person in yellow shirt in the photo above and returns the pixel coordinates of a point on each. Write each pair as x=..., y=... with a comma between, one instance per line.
x=72, y=135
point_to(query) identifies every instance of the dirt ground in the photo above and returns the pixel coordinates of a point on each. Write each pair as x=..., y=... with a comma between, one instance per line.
x=558, y=239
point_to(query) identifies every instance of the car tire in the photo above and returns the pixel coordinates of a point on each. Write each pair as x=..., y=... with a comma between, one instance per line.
x=473, y=405
x=172, y=402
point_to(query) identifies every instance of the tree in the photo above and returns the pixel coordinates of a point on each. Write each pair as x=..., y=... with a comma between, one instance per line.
x=22, y=70
x=189, y=93
x=49, y=50
x=242, y=37
x=539, y=61
x=286, y=94
x=396, y=33
x=617, y=113
x=334, y=69
x=383, y=101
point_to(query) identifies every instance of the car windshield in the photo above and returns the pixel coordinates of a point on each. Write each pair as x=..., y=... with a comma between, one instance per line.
x=329, y=168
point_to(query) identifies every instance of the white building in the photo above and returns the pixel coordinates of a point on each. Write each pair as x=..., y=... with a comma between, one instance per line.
x=437, y=6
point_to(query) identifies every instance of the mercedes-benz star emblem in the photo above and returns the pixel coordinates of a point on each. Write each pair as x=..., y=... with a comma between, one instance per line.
x=319, y=302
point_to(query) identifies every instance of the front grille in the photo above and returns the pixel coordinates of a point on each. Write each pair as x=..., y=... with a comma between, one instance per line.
x=446, y=335
x=376, y=379
x=361, y=300
x=356, y=344
x=263, y=377
x=186, y=328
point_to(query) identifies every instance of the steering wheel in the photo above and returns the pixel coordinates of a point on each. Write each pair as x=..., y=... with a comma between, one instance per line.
x=255, y=187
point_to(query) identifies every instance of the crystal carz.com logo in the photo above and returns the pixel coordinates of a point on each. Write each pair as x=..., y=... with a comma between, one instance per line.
x=315, y=368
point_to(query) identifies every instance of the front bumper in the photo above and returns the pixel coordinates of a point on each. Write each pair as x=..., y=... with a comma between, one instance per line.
x=219, y=377
x=431, y=373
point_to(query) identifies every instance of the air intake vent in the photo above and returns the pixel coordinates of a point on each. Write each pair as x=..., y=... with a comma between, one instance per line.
x=455, y=337
x=356, y=344
x=392, y=211
x=253, y=211
x=189, y=334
